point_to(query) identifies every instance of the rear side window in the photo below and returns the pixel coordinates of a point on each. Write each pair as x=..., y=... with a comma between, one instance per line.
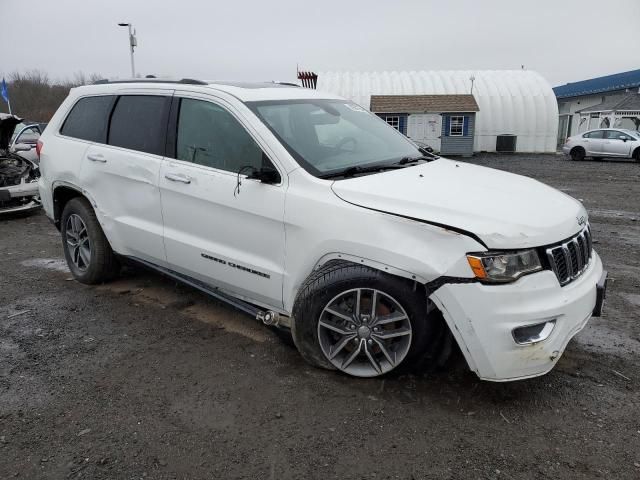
x=139, y=122
x=88, y=119
x=596, y=134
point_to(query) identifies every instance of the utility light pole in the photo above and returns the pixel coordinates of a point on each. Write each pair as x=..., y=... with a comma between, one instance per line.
x=133, y=42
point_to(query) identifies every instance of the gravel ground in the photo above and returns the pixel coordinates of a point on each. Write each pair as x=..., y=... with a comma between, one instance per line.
x=145, y=378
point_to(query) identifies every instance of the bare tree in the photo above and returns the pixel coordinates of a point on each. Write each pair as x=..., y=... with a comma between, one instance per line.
x=36, y=97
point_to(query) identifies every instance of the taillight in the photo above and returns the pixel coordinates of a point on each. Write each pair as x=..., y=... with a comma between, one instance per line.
x=39, y=146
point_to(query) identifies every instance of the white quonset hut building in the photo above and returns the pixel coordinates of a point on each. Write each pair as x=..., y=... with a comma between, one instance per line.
x=517, y=109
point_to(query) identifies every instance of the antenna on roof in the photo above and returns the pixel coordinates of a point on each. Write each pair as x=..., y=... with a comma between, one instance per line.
x=473, y=79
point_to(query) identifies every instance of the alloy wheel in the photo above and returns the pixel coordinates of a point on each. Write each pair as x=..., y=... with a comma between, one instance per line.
x=78, y=244
x=364, y=332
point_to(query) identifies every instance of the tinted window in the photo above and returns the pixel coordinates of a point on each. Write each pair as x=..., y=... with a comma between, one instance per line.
x=138, y=123
x=596, y=134
x=88, y=119
x=209, y=135
x=616, y=135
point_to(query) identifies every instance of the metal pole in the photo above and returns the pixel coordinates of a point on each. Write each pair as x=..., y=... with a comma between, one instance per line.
x=131, y=45
x=9, y=104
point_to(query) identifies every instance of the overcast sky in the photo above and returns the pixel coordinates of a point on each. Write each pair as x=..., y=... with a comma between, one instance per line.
x=564, y=40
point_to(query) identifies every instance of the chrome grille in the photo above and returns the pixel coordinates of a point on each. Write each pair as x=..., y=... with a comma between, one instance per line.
x=569, y=259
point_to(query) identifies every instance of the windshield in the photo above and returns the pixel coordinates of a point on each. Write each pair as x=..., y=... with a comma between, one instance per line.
x=328, y=136
x=17, y=129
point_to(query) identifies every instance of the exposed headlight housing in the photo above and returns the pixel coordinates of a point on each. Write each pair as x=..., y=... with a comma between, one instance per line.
x=503, y=267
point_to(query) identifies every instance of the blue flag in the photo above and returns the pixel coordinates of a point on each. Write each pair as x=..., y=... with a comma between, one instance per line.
x=4, y=92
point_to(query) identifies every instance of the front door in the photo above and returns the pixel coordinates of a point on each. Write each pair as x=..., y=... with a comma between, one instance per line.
x=616, y=144
x=425, y=127
x=227, y=234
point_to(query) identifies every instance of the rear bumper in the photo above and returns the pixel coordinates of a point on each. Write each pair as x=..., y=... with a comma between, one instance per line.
x=483, y=318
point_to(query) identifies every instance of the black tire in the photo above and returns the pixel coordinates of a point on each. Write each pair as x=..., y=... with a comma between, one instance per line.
x=577, y=154
x=598, y=159
x=338, y=276
x=103, y=265
x=636, y=155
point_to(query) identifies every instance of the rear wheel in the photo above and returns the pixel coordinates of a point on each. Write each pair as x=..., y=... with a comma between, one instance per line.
x=86, y=249
x=577, y=154
x=363, y=322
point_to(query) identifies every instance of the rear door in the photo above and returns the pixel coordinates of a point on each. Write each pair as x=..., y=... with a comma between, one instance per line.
x=219, y=226
x=121, y=174
x=592, y=142
x=616, y=144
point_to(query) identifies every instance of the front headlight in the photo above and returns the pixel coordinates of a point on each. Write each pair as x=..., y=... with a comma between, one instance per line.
x=503, y=267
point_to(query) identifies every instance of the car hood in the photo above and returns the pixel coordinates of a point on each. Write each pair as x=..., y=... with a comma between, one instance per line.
x=503, y=210
x=7, y=126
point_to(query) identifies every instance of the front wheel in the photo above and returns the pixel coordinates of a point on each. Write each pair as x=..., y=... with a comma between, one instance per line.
x=362, y=322
x=577, y=154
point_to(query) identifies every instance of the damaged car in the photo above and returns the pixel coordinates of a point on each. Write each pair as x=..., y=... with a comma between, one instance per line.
x=19, y=170
x=310, y=213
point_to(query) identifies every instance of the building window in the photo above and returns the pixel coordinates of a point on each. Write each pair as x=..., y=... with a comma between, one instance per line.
x=456, y=127
x=393, y=121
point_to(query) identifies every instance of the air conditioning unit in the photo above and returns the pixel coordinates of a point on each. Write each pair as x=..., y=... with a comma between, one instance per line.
x=506, y=143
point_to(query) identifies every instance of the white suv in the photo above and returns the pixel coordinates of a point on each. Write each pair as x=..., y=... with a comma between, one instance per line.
x=310, y=213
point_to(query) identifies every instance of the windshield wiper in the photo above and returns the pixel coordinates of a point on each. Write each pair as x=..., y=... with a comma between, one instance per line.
x=356, y=170
x=406, y=160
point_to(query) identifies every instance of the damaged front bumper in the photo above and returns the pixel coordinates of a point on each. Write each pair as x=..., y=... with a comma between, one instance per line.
x=20, y=198
x=519, y=330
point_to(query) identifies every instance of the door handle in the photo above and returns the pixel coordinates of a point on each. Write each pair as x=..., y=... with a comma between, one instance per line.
x=96, y=157
x=174, y=177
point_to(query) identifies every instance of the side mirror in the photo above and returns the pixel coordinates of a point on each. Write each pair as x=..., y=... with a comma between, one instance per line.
x=22, y=147
x=265, y=175
x=624, y=139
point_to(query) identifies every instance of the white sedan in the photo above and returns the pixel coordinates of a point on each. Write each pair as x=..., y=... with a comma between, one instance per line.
x=604, y=142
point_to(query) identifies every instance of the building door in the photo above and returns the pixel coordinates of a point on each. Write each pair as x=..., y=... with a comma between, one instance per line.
x=563, y=129
x=425, y=128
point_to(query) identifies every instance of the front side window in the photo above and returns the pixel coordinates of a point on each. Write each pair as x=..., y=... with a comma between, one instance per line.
x=88, y=119
x=139, y=122
x=456, y=126
x=329, y=136
x=616, y=135
x=209, y=135
x=29, y=135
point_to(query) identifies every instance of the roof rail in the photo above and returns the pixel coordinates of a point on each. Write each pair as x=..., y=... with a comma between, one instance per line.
x=289, y=84
x=188, y=81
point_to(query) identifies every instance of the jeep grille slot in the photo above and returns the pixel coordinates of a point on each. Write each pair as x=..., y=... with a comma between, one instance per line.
x=570, y=259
